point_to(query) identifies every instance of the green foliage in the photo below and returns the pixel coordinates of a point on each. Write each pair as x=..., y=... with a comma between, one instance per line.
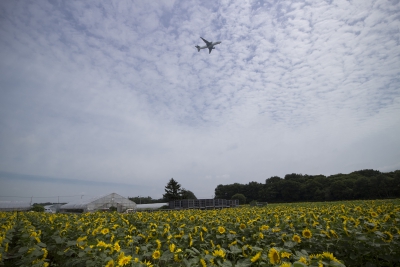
x=173, y=190
x=187, y=194
x=38, y=208
x=240, y=197
x=113, y=209
x=363, y=184
x=253, y=203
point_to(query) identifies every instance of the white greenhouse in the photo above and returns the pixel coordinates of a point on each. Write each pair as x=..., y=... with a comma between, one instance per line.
x=99, y=203
x=14, y=206
x=150, y=206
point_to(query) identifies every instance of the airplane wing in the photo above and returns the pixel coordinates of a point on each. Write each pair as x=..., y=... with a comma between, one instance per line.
x=210, y=49
x=207, y=42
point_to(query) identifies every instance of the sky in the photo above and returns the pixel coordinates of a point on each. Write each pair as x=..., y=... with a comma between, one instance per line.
x=113, y=96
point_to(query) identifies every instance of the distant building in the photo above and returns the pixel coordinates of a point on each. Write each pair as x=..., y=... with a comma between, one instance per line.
x=150, y=206
x=203, y=203
x=54, y=207
x=99, y=203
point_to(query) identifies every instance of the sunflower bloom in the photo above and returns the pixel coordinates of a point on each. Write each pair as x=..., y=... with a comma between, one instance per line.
x=105, y=231
x=102, y=244
x=285, y=255
x=303, y=260
x=219, y=253
x=203, y=263
x=158, y=244
x=307, y=233
x=242, y=226
x=296, y=238
x=124, y=260
x=328, y=255
x=256, y=257
x=117, y=247
x=388, y=237
x=334, y=234
x=286, y=264
x=110, y=263
x=221, y=229
x=273, y=256
x=156, y=254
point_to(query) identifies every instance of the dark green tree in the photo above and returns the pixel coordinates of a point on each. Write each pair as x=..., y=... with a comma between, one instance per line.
x=37, y=208
x=173, y=190
x=187, y=194
x=240, y=197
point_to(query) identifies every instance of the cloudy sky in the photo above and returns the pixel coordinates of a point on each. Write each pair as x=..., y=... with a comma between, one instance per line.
x=114, y=97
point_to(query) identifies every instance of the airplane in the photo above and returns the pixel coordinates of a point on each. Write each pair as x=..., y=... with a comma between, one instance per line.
x=209, y=45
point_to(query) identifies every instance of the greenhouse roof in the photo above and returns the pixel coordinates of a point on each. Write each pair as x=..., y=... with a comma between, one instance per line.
x=150, y=205
x=98, y=202
x=80, y=203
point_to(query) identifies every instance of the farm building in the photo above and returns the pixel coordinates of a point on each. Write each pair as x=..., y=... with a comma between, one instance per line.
x=15, y=206
x=203, y=203
x=99, y=203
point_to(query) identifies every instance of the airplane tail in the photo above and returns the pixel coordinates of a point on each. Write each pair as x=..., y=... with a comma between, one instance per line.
x=198, y=48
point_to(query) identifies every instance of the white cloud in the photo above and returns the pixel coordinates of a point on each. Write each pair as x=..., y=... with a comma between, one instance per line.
x=117, y=90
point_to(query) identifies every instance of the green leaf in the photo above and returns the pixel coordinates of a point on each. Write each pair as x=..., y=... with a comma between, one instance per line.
x=289, y=244
x=71, y=243
x=58, y=240
x=23, y=250
x=362, y=238
x=227, y=264
x=257, y=249
x=299, y=264
x=243, y=263
x=42, y=245
x=235, y=250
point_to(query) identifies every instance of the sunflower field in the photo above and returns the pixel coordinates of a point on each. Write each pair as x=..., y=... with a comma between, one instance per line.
x=358, y=233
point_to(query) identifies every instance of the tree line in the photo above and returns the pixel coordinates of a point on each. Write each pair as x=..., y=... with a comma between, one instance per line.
x=362, y=184
x=173, y=191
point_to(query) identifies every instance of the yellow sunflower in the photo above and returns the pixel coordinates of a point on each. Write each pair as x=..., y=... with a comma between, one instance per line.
x=242, y=226
x=328, y=255
x=256, y=257
x=273, y=256
x=156, y=254
x=117, y=247
x=303, y=260
x=110, y=263
x=105, y=231
x=285, y=255
x=307, y=233
x=221, y=229
x=219, y=253
x=125, y=260
x=387, y=237
x=296, y=238
x=158, y=244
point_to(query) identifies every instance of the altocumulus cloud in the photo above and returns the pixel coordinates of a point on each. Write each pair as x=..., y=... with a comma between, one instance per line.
x=116, y=92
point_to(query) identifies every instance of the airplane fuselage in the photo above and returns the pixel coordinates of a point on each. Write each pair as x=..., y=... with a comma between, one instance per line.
x=209, y=45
